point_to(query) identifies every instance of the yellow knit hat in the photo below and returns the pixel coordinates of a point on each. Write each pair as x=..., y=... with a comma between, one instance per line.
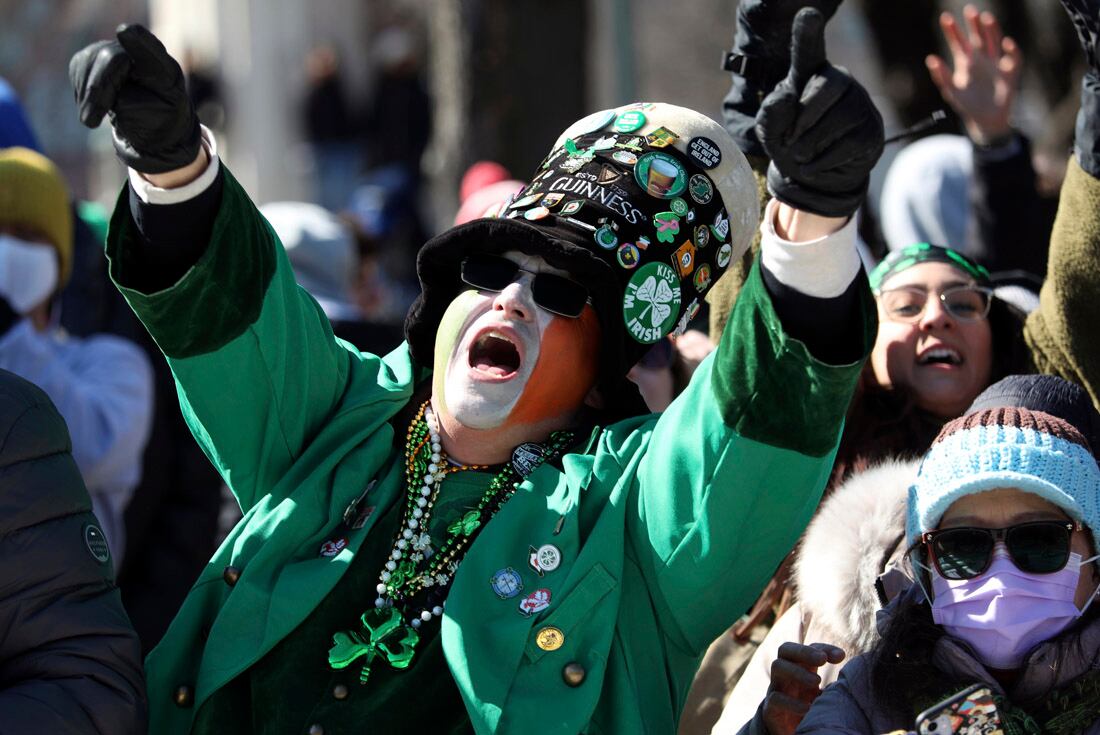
x=33, y=194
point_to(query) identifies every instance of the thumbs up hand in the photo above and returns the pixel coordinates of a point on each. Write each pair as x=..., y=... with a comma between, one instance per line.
x=820, y=129
x=140, y=88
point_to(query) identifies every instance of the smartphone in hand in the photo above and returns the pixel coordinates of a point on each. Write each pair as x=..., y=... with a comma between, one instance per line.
x=970, y=712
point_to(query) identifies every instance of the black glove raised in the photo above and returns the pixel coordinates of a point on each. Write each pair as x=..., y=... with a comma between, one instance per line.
x=759, y=60
x=820, y=129
x=141, y=89
x=1085, y=15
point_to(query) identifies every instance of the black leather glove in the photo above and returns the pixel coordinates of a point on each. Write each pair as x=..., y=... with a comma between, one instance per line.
x=820, y=129
x=759, y=60
x=1085, y=15
x=141, y=89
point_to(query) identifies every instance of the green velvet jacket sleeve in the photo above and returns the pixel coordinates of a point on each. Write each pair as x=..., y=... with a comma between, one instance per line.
x=736, y=466
x=257, y=368
x=1062, y=333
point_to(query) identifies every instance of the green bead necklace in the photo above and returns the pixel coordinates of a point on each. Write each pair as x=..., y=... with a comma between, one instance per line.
x=416, y=575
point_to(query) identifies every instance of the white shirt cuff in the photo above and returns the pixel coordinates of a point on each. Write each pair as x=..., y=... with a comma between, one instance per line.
x=155, y=195
x=823, y=268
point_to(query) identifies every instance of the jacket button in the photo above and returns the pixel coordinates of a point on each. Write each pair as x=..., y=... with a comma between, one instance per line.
x=573, y=674
x=316, y=730
x=231, y=574
x=340, y=692
x=183, y=696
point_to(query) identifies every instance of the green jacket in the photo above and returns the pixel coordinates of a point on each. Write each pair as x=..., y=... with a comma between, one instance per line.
x=669, y=525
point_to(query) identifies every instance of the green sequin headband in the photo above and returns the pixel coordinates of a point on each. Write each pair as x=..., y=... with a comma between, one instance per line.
x=924, y=252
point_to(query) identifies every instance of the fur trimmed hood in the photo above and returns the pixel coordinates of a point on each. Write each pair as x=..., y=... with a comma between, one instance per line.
x=857, y=531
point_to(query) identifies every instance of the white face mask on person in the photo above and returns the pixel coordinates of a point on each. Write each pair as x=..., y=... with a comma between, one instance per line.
x=28, y=273
x=1005, y=612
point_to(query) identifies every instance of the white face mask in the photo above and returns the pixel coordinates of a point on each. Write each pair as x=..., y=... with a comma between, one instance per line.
x=28, y=273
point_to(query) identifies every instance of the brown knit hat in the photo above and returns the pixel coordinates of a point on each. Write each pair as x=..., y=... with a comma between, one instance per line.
x=1018, y=418
x=33, y=194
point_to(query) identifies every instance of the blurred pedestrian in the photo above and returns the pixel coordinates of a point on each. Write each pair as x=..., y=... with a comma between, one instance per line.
x=101, y=384
x=325, y=258
x=331, y=129
x=15, y=130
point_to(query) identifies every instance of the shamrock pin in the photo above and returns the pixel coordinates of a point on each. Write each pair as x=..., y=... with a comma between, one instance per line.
x=381, y=635
x=572, y=149
x=465, y=525
x=658, y=295
x=651, y=302
x=668, y=226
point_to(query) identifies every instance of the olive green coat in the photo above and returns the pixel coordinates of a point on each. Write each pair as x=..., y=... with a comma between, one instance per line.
x=669, y=524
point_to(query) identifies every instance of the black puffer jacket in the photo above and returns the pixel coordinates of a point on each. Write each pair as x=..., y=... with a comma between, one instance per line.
x=70, y=661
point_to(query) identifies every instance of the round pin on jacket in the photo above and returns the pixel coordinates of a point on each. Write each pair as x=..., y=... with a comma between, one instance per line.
x=550, y=638
x=506, y=583
x=549, y=557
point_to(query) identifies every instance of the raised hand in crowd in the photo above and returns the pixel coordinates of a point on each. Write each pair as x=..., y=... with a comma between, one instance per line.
x=140, y=88
x=980, y=85
x=760, y=56
x=820, y=129
x=795, y=684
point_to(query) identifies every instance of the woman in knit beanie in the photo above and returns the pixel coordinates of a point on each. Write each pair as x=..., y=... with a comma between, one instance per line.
x=999, y=527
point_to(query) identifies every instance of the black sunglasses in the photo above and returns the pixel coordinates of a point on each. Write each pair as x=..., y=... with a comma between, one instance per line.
x=557, y=294
x=1039, y=547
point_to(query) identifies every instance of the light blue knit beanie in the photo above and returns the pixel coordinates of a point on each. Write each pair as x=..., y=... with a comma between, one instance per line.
x=1005, y=447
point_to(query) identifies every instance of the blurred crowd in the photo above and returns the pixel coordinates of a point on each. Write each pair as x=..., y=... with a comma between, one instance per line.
x=982, y=252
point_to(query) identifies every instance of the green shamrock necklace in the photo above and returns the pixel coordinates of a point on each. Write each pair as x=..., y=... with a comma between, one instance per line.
x=417, y=575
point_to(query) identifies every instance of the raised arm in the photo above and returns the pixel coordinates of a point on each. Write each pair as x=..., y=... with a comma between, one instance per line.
x=1008, y=226
x=736, y=465
x=257, y=367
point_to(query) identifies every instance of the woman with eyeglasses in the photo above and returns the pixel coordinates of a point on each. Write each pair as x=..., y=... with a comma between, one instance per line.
x=999, y=531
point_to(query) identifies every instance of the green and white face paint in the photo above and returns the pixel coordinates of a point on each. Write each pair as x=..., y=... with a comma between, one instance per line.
x=487, y=346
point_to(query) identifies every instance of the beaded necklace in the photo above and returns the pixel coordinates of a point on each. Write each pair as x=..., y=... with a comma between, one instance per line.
x=413, y=584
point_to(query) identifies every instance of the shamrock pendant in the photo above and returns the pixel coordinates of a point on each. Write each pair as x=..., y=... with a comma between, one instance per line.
x=465, y=525
x=381, y=635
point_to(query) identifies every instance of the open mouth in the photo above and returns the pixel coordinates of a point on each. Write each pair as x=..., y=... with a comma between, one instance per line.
x=940, y=356
x=495, y=354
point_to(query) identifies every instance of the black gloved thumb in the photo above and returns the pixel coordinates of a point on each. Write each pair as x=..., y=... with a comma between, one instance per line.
x=151, y=62
x=807, y=46
x=97, y=73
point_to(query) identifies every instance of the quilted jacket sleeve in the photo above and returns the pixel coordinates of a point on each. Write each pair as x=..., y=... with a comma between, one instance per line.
x=70, y=661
